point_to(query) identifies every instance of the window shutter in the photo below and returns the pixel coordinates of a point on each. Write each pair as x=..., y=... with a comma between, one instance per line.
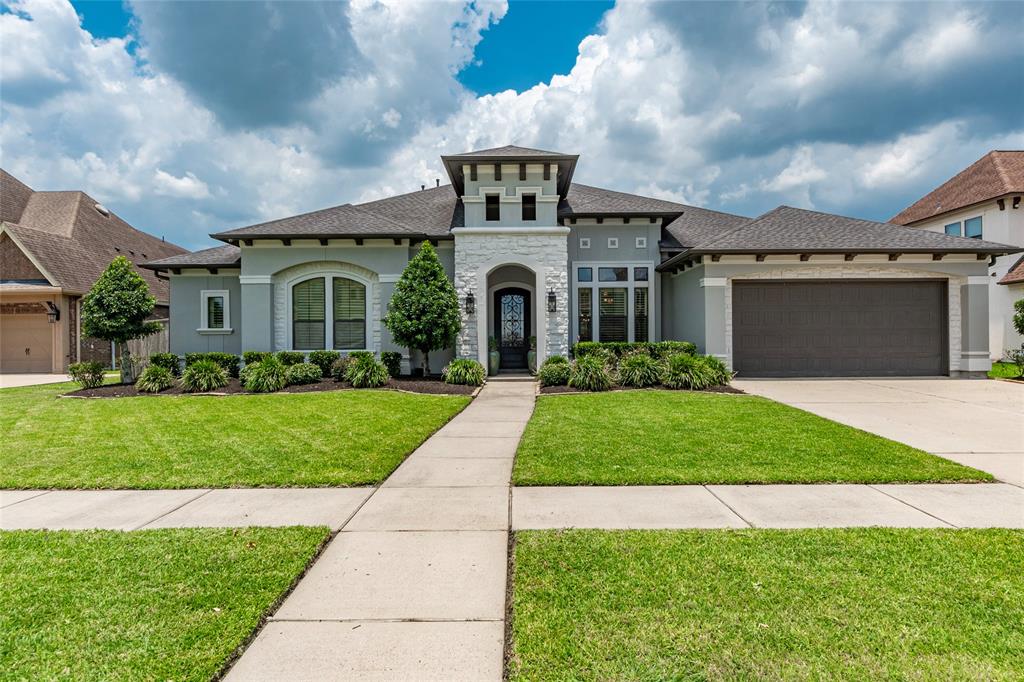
x=349, y=314
x=308, y=302
x=215, y=312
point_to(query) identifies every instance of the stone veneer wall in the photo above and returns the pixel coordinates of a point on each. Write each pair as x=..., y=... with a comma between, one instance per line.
x=478, y=251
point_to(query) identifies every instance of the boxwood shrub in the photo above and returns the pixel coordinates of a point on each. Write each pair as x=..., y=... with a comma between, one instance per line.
x=168, y=361
x=639, y=370
x=554, y=371
x=303, y=373
x=658, y=350
x=393, y=361
x=227, y=361
x=324, y=359
x=203, y=376
x=154, y=378
x=87, y=374
x=365, y=372
x=339, y=368
x=464, y=372
x=251, y=357
x=291, y=357
x=589, y=373
x=266, y=376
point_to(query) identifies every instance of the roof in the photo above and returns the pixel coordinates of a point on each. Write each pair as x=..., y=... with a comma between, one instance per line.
x=216, y=257
x=996, y=174
x=566, y=163
x=1015, y=275
x=337, y=221
x=510, y=151
x=796, y=230
x=586, y=200
x=73, y=239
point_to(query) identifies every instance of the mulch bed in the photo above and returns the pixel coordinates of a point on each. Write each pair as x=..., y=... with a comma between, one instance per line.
x=410, y=384
x=569, y=389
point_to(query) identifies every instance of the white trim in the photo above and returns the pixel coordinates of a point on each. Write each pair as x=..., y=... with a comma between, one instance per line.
x=329, y=275
x=255, y=279
x=978, y=279
x=204, y=297
x=596, y=285
x=713, y=281
x=584, y=242
x=388, y=278
x=511, y=231
x=613, y=242
x=28, y=254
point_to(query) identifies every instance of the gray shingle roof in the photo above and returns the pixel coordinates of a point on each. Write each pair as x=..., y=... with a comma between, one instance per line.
x=344, y=220
x=432, y=212
x=218, y=256
x=587, y=200
x=508, y=150
x=699, y=225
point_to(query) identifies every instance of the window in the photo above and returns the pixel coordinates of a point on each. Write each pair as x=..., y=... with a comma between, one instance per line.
x=613, y=274
x=349, y=314
x=641, y=242
x=529, y=207
x=492, y=208
x=972, y=228
x=308, y=307
x=584, y=306
x=584, y=242
x=639, y=274
x=215, y=315
x=612, y=314
x=640, y=314
x=953, y=229
x=585, y=275
x=613, y=242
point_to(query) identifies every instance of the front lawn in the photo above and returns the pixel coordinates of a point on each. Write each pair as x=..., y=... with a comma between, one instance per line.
x=1004, y=370
x=664, y=437
x=861, y=604
x=152, y=604
x=343, y=438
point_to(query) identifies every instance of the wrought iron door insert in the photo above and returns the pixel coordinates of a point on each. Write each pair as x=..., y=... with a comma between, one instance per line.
x=512, y=326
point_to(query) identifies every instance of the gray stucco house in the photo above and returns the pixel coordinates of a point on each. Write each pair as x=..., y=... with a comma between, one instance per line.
x=789, y=293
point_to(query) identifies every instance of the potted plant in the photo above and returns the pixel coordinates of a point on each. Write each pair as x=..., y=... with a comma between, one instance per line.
x=531, y=355
x=493, y=357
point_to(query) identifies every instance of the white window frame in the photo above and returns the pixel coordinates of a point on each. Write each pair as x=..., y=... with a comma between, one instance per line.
x=204, y=296
x=596, y=285
x=584, y=242
x=641, y=242
x=613, y=242
x=329, y=276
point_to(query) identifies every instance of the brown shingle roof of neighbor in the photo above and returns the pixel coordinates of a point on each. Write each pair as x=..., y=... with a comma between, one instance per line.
x=218, y=256
x=74, y=239
x=1015, y=275
x=996, y=174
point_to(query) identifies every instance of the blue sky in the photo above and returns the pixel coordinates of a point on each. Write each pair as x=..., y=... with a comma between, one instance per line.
x=192, y=117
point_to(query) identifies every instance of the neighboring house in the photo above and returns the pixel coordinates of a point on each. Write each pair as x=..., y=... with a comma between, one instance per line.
x=53, y=247
x=982, y=202
x=791, y=293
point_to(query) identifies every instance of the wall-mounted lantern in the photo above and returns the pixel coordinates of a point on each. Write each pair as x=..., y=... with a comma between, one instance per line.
x=53, y=314
x=552, y=301
x=470, y=303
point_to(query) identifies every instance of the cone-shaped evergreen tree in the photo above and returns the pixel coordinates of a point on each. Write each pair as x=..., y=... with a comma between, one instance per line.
x=424, y=311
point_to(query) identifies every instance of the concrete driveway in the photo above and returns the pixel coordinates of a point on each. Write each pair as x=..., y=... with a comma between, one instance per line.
x=14, y=380
x=979, y=423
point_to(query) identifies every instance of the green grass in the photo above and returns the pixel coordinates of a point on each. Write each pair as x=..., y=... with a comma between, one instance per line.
x=662, y=437
x=341, y=438
x=851, y=604
x=1004, y=370
x=152, y=604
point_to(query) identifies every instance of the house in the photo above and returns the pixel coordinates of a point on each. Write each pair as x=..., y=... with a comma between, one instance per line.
x=533, y=254
x=53, y=247
x=982, y=202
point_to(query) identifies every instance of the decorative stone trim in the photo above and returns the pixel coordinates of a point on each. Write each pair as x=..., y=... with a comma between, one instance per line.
x=713, y=281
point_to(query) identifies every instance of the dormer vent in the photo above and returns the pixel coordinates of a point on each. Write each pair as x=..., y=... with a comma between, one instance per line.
x=102, y=210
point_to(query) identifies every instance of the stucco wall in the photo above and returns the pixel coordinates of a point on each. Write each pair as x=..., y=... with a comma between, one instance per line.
x=510, y=188
x=683, y=307
x=186, y=315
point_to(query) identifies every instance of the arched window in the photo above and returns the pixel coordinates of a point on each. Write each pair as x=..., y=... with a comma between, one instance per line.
x=343, y=299
x=308, y=305
x=349, y=314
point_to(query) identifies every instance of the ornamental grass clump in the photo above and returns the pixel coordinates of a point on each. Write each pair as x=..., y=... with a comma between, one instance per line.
x=366, y=372
x=695, y=372
x=464, y=372
x=303, y=373
x=554, y=372
x=87, y=374
x=590, y=373
x=203, y=376
x=154, y=378
x=639, y=370
x=266, y=376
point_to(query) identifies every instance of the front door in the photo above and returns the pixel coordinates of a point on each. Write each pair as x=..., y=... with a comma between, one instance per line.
x=512, y=326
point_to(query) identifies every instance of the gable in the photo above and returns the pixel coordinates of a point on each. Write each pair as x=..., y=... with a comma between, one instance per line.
x=15, y=265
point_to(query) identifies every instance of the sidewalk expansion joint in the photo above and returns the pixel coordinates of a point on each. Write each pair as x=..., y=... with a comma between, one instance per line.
x=729, y=507
x=904, y=502
x=171, y=511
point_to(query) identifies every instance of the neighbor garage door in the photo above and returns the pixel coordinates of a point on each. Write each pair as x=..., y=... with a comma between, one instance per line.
x=839, y=328
x=26, y=343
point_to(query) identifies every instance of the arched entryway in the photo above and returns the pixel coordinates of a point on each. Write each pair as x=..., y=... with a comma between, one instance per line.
x=512, y=326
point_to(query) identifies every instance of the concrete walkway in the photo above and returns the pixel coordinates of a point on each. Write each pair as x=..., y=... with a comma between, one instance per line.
x=16, y=380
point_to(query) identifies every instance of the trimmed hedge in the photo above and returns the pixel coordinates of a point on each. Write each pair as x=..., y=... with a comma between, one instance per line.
x=227, y=361
x=324, y=359
x=169, y=361
x=339, y=368
x=251, y=357
x=393, y=361
x=555, y=371
x=291, y=357
x=658, y=350
x=87, y=374
x=303, y=373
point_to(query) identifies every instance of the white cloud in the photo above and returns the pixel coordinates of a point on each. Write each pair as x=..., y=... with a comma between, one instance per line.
x=187, y=186
x=800, y=172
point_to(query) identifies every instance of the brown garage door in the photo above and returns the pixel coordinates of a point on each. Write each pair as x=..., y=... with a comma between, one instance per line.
x=839, y=328
x=26, y=344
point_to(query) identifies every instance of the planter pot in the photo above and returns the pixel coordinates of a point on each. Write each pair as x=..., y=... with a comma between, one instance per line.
x=493, y=362
x=531, y=361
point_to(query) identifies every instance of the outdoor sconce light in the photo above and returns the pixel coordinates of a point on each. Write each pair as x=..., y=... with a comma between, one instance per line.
x=552, y=301
x=53, y=315
x=470, y=303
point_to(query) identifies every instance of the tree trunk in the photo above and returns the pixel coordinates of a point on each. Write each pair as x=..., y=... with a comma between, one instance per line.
x=426, y=364
x=127, y=364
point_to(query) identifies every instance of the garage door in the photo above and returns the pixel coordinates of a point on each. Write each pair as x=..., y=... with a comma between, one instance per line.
x=839, y=328
x=26, y=343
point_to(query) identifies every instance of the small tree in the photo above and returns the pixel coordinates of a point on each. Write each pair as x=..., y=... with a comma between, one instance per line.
x=1018, y=316
x=424, y=311
x=116, y=308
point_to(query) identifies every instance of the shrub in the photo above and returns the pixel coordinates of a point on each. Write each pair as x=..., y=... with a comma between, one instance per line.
x=659, y=350
x=324, y=359
x=87, y=374
x=291, y=357
x=589, y=373
x=251, y=357
x=1018, y=316
x=303, y=373
x=1017, y=357
x=664, y=349
x=696, y=372
x=639, y=370
x=154, y=379
x=356, y=354
x=393, y=361
x=168, y=361
x=227, y=361
x=266, y=376
x=339, y=369
x=203, y=376
x=464, y=372
x=719, y=372
x=554, y=372
x=365, y=372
